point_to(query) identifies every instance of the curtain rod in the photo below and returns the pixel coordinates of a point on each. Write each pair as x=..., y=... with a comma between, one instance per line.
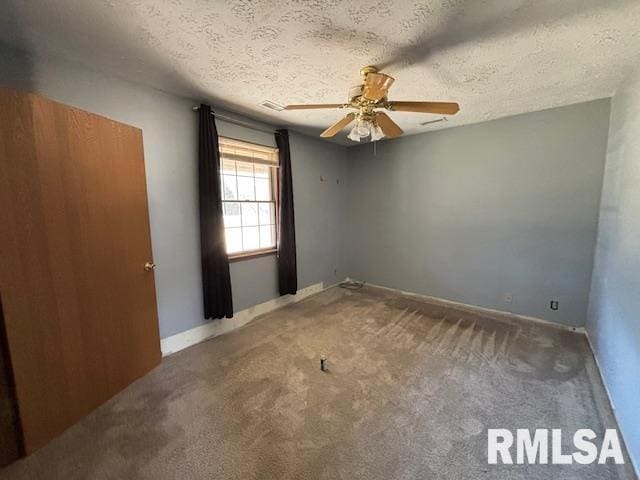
x=239, y=122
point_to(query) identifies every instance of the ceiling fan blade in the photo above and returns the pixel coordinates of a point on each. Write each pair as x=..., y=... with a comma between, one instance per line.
x=443, y=108
x=336, y=127
x=315, y=105
x=376, y=86
x=388, y=126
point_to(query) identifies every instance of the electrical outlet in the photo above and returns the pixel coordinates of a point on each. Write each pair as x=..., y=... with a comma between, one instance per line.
x=554, y=305
x=508, y=297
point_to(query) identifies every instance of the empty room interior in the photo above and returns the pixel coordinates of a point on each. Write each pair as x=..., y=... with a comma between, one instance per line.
x=320, y=240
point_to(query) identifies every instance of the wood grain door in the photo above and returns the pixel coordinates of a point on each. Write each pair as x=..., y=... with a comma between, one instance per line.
x=79, y=306
x=10, y=434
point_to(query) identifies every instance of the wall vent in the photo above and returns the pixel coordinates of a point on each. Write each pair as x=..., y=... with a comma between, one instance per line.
x=429, y=122
x=272, y=105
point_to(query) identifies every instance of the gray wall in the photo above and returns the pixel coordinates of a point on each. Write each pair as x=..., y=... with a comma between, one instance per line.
x=320, y=223
x=170, y=145
x=473, y=213
x=468, y=214
x=614, y=311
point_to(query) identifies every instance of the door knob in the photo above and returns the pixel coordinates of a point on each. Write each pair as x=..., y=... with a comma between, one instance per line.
x=149, y=266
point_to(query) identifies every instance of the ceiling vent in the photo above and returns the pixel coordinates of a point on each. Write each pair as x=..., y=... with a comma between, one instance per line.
x=272, y=105
x=429, y=122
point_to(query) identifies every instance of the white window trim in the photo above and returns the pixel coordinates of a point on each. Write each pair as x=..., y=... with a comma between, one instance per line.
x=238, y=150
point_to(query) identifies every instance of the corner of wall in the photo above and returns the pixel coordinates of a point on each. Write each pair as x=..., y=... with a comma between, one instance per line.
x=612, y=317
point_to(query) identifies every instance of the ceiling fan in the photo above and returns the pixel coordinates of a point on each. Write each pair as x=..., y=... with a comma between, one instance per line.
x=369, y=97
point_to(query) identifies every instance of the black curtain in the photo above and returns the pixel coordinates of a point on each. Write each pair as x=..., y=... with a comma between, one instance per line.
x=287, y=276
x=216, y=281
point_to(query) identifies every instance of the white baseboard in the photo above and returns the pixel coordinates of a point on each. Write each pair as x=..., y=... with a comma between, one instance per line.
x=214, y=328
x=452, y=303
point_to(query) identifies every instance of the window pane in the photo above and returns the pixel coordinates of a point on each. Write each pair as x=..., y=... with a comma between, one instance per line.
x=234, y=239
x=267, y=236
x=267, y=214
x=231, y=214
x=263, y=189
x=262, y=171
x=246, y=189
x=229, y=191
x=250, y=238
x=249, y=214
x=248, y=195
x=228, y=167
x=245, y=169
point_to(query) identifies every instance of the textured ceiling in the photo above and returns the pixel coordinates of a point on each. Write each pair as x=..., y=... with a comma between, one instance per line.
x=494, y=57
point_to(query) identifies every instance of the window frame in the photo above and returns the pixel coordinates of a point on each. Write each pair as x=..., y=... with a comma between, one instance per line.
x=275, y=191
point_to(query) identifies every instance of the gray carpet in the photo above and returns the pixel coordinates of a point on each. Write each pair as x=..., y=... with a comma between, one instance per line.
x=411, y=390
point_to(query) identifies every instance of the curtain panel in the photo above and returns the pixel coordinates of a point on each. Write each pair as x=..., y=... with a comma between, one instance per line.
x=216, y=281
x=287, y=270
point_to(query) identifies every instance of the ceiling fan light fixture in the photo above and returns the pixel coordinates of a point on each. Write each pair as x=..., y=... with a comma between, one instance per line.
x=363, y=128
x=368, y=99
x=376, y=133
x=354, y=135
x=366, y=128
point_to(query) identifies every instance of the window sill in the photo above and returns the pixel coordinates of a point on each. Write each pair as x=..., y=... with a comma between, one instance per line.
x=237, y=257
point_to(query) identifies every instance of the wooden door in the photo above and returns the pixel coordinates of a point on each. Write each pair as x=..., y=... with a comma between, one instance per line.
x=10, y=434
x=79, y=306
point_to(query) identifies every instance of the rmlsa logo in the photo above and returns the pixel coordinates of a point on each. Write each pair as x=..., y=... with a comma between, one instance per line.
x=543, y=449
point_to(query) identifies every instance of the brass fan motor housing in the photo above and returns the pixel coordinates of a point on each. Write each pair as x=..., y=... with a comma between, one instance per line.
x=355, y=92
x=368, y=69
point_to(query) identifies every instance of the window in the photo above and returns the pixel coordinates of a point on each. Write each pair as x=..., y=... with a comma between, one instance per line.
x=249, y=192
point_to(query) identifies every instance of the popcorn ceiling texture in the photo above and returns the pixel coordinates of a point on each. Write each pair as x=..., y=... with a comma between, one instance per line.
x=495, y=58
